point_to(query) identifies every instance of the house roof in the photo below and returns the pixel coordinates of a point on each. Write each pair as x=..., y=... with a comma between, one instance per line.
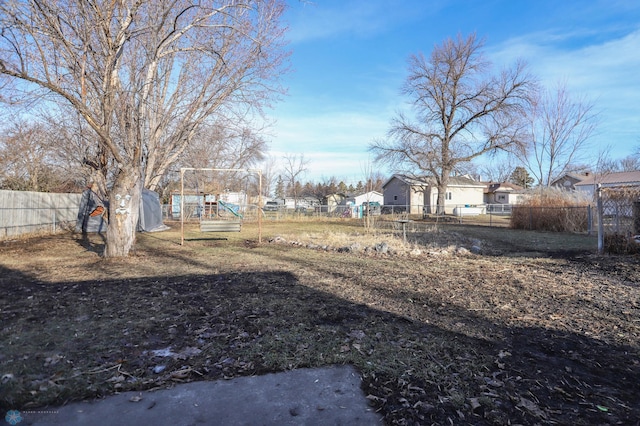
x=367, y=193
x=503, y=187
x=407, y=180
x=612, y=179
x=368, y=196
x=574, y=177
x=460, y=181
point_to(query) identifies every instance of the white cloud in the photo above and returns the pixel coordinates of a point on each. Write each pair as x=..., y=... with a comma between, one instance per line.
x=605, y=73
x=363, y=18
x=335, y=143
x=317, y=21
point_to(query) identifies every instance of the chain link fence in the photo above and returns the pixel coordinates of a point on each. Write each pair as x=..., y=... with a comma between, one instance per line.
x=615, y=218
x=498, y=215
x=619, y=220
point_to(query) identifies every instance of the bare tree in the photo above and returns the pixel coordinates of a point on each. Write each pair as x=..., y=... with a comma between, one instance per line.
x=499, y=169
x=368, y=219
x=630, y=163
x=295, y=166
x=74, y=149
x=605, y=164
x=560, y=128
x=461, y=112
x=145, y=75
x=29, y=159
x=268, y=175
x=24, y=156
x=223, y=144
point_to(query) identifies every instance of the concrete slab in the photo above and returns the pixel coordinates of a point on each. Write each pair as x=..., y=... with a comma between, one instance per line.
x=325, y=396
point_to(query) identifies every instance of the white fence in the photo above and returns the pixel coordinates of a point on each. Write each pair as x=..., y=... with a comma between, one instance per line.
x=25, y=212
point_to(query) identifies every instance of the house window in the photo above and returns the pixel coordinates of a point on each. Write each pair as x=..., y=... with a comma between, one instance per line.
x=447, y=196
x=395, y=198
x=502, y=197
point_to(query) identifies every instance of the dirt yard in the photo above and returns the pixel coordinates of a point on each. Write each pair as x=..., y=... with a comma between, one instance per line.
x=460, y=325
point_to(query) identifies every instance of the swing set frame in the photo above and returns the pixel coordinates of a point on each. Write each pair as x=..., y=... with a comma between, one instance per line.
x=212, y=226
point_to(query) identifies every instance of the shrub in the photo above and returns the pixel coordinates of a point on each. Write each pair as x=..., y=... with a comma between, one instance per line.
x=553, y=210
x=620, y=244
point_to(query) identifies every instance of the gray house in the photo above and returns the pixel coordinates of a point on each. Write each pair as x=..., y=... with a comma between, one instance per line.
x=405, y=193
x=569, y=180
x=418, y=195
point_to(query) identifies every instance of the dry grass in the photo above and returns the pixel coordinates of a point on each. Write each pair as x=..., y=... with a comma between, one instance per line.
x=441, y=336
x=551, y=210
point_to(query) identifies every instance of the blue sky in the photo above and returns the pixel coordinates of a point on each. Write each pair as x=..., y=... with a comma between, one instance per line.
x=349, y=60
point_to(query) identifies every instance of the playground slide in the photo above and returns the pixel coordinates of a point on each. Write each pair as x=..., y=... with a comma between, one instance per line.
x=231, y=208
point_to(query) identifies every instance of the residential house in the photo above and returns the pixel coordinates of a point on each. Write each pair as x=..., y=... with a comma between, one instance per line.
x=609, y=180
x=569, y=180
x=503, y=193
x=367, y=197
x=404, y=193
x=420, y=195
x=628, y=206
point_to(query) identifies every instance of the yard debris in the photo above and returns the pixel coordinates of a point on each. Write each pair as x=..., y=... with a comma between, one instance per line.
x=52, y=360
x=182, y=373
x=8, y=377
x=532, y=407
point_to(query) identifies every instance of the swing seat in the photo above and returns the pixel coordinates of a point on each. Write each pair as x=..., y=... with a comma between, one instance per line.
x=220, y=226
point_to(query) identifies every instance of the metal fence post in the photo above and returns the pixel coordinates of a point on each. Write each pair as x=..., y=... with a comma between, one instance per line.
x=600, y=220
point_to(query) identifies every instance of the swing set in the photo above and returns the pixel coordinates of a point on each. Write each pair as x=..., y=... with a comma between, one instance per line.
x=217, y=215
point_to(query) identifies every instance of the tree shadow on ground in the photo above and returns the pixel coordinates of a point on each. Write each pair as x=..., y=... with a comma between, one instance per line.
x=64, y=341
x=93, y=242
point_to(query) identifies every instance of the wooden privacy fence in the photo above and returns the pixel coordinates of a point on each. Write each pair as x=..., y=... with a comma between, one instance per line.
x=26, y=212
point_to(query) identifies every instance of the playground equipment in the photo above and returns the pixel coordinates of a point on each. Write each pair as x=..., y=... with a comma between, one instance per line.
x=214, y=213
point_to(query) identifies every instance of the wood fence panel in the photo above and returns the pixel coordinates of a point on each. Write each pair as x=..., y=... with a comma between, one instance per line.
x=28, y=212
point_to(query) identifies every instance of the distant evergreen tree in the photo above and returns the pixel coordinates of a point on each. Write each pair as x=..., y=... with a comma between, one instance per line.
x=280, y=193
x=297, y=189
x=332, y=188
x=308, y=190
x=360, y=187
x=520, y=176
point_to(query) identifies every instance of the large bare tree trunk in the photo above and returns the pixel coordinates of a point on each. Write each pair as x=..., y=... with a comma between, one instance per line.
x=124, y=210
x=440, y=200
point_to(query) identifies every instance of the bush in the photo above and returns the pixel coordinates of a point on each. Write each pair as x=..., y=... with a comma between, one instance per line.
x=620, y=244
x=552, y=210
